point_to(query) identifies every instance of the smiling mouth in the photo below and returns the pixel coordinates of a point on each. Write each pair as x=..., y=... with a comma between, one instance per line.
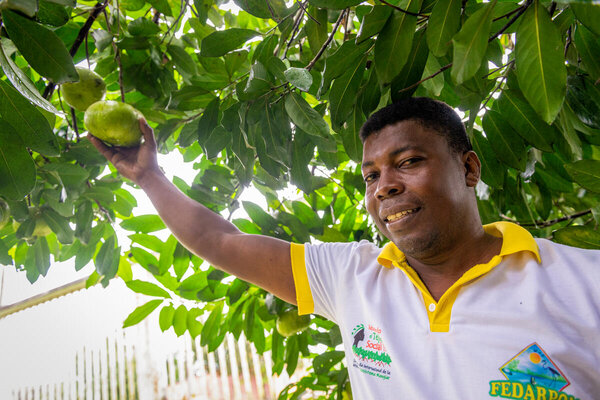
x=400, y=215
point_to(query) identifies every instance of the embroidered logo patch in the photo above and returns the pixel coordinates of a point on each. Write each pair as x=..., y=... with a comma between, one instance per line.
x=370, y=354
x=531, y=374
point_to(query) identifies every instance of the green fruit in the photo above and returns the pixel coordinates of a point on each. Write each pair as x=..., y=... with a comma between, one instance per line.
x=290, y=323
x=114, y=122
x=41, y=227
x=89, y=89
x=4, y=213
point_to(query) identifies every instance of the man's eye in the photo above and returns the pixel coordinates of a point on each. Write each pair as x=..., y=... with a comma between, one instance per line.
x=410, y=161
x=368, y=178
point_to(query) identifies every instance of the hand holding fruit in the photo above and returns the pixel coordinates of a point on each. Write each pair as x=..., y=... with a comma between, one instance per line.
x=134, y=163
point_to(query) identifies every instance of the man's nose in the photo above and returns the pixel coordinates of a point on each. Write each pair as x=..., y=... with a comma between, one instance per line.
x=388, y=185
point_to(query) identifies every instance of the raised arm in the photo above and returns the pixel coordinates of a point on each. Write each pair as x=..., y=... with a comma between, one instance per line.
x=261, y=260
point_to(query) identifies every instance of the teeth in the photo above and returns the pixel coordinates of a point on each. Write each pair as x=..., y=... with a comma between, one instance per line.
x=399, y=215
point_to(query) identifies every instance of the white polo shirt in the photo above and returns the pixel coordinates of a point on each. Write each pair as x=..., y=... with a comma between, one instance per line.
x=526, y=325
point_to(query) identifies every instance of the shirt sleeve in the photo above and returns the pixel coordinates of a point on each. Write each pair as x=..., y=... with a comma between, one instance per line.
x=322, y=273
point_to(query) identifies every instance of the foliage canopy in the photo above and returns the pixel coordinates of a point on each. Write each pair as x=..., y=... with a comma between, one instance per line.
x=273, y=95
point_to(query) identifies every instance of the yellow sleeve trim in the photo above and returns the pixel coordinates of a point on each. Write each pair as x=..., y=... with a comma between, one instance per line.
x=304, y=297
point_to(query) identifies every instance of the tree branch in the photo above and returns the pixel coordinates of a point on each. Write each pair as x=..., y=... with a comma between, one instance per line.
x=83, y=32
x=302, y=6
x=174, y=24
x=545, y=224
x=439, y=71
x=512, y=20
x=403, y=10
x=329, y=39
x=294, y=31
x=508, y=14
x=117, y=56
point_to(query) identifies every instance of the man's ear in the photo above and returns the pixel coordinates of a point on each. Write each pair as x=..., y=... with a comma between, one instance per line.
x=472, y=168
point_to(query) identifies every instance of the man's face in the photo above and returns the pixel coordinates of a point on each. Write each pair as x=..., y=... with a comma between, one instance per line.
x=418, y=191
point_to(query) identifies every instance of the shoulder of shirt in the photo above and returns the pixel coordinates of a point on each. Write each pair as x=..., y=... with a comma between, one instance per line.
x=550, y=250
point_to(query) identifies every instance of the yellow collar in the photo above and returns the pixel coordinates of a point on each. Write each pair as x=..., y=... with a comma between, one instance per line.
x=514, y=239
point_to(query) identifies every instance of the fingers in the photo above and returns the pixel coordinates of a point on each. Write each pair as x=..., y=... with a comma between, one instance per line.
x=102, y=148
x=147, y=131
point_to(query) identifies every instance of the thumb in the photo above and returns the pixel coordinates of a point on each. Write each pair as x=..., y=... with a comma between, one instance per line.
x=147, y=131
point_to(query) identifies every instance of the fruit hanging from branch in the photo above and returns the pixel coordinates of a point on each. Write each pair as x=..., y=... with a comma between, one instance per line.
x=81, y=94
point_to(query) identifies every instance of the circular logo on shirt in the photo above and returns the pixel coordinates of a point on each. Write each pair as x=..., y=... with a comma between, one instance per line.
x=370, y=354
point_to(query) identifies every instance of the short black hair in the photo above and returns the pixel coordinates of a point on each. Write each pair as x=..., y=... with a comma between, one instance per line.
x=432, y=114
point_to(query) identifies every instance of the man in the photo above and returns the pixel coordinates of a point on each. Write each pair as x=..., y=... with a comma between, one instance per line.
x=448, y=309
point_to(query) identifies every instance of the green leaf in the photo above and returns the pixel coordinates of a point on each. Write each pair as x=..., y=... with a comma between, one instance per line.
x=325, y=361
x=373, y=22
x=21, y=81
x=350, y=135
x=27, y=7
x=59, y=225
x=165, y=318
x=540, y=62
x=83, y=219
x=207, y=124
x=434, y=85
x=334, y=4
x=147, y=288
x=167, y=254
x=491, y=170
x=343, y=94
x=44, y=51
x=470, y=44
x=316, y=30
x=583, y=100
x=194, y=283
x=222, y=42
x=552, y=180
x=181, y=261
x=194, y=326
x=274, y=9
x=584, y=237
x=507, y=143
x=413, y=69
x=304, y=116
x=142, y=27
x=180, y=320
x=42, y=255
x=184, y=62
x=162, y=6
x=525, y=121
x=259, y=80
x=586, y=173
x=259, y=216
x=143, y=223
x=29, y=123
x=16, y=165
x=299, y=77
x=588, y=48
x=141, y=312
x=105, y=259
x=339, y=62
x=395, y=41
x=52, y=14
x=443, y=23
x=588, y=14
x=67, y=3
x=71, y=175
x=212, y=325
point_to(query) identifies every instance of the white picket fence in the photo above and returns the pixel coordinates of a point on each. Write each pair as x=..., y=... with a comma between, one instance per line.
x=141, y=363
x=118, y=372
